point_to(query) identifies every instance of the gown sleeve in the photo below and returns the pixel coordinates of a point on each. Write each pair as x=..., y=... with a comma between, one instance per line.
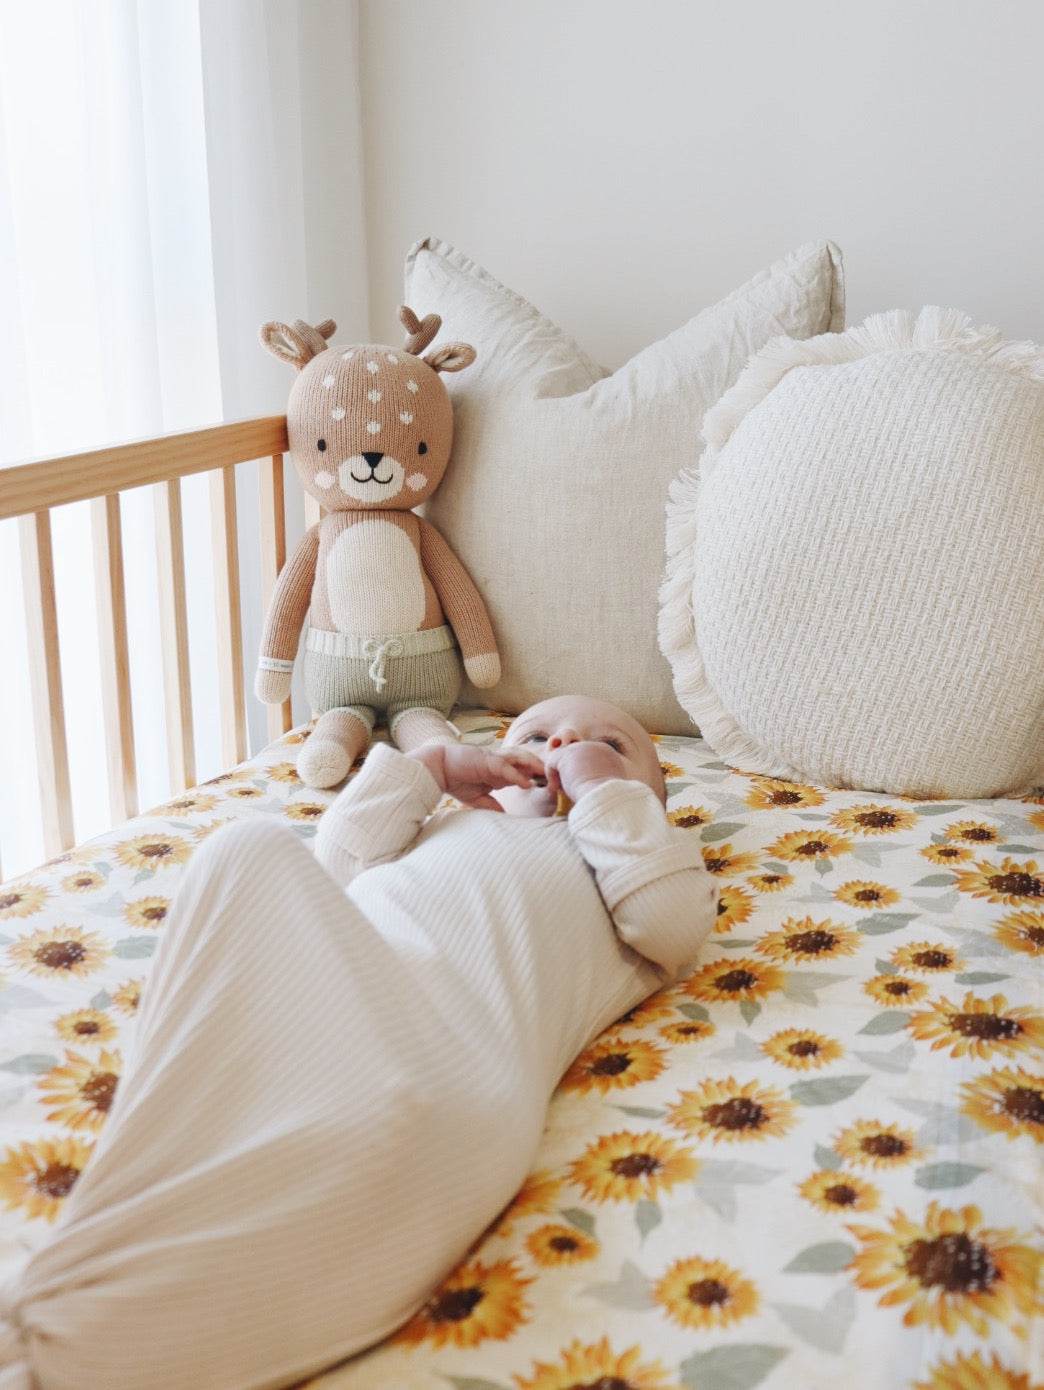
x=377, y=816
x=650, y=874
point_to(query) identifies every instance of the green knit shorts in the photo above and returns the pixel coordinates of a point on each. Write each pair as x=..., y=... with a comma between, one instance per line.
x=371, y=676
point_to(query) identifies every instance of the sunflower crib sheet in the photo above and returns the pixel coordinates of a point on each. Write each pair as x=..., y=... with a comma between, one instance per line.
x=816, y=1160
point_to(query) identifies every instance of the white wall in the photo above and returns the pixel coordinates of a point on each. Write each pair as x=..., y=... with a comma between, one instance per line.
x=622, y=163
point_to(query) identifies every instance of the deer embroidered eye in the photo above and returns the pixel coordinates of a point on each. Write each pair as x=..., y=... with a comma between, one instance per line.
x=321, y=445
x=422, y=448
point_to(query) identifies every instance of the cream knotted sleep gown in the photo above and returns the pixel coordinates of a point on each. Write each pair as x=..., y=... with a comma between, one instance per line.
x=339, y=1077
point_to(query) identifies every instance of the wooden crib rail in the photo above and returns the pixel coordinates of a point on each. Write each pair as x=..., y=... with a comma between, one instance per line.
x=30, y=491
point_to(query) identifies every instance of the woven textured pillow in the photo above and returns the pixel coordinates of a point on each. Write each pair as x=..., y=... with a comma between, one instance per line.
x=855, y=580
x=555, y=493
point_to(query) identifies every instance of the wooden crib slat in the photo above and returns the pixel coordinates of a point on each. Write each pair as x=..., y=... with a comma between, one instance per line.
x=45, y=674
x=173, y=616
x=228, y=621
x=114, y=657
x=272, y=509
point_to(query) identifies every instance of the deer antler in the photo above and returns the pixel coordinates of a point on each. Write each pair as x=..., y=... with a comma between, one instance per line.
x=419, y=332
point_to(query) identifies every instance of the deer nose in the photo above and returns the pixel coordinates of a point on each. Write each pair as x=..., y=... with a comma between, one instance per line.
x=373, y=460
x=563, y=738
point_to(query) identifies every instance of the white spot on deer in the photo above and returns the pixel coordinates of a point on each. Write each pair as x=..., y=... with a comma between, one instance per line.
x=338, y=412
x=406, y=417
x=374, y=427
x=328, y=381
x=373, y=396
x=411, y=385
x=393, y=359
x=372, y=366
x=347, y=356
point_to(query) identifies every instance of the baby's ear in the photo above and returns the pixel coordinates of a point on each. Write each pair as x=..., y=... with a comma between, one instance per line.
x=451, y=357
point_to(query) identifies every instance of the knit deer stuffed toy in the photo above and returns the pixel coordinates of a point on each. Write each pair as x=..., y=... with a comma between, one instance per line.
x=388, y=601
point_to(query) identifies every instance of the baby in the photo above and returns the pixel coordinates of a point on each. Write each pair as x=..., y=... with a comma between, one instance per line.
x=343, y=1061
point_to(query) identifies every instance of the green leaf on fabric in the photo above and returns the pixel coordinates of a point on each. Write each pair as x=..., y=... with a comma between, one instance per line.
x=891, y=1021
x=642, y=1112
x=102, y=1000
x=828, y=1257
x=471, y=1383
x=1021, y=849
x=933, y=808
x=826, y=1090
x=582, y=1220
x=824, y=866
x=737, y=1367
x=886, y=967
x=828, y=1159
x=934, y=1176
x=936, y=881
x=880, y=923
x=720, y=830
x=647, y=1216
x=694, y=1011
x=29, y=1064
x=631, y=1290
x=826, y=1327
x=134, y=947
x=749, y=1009
x=978, y=977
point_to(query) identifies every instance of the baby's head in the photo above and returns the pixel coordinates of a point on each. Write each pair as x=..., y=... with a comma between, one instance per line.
x=566, y=719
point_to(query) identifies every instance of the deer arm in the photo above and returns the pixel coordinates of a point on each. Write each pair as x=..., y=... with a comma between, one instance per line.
x=463, y=605
x=286, y=614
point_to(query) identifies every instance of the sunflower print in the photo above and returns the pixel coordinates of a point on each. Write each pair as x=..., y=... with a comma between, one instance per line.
x=809, y=845
x=1037, y=820
x=770, y=794
x=705, y=1294
x=81, y=1091
x=840, y=1192
x=561, y=1245
x=972, y=832
x=671, y=770
x=611, y=1065
x=127, y=996
x=692, y=1030
x=873, y=820
x=85, y=1026
x=147, y=912
x=477, y=1302
x=38, y=1176
x=83, y=881
x=724, y=861
x=153, y=852
x=1022, y=931
x=877, y=1145
x=802, y=1049
x=770, y=882
x=625, y=1167
x=595, y=1365
x=741, y=980
x=283, y=772
x=307, y=812
x=21, y=901
x=979, y=1027
x=946, y=853
x=62, y=951
x=803, y=939
x=970, y=1372
x=653, y=1010
x=865, y=894
x=927, y=958
x=730, y=1111
x=1009, y=1101
x=690, y=817
x=734, y=906
x=537, y=1196
x=895, y=990
x=949, y=1270
x=1011, y=883
x=186, y=805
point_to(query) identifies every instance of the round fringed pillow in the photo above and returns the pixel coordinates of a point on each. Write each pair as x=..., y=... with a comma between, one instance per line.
x=854, y=591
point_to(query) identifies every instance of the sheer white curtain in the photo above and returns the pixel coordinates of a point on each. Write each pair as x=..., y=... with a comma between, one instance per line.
x=171, y=175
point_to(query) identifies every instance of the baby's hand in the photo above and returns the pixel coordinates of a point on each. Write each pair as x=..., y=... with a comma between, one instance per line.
x=469, y=774
x=579, y=767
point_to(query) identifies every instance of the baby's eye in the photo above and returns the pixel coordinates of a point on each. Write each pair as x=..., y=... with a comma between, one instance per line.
x=535, y=738
x=614, y=743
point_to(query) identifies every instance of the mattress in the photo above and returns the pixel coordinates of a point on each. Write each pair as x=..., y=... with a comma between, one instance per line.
x=816, y=1158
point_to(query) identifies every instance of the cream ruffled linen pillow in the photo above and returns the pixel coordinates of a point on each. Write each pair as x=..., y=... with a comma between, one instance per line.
x=555, y=493
x=854, y=591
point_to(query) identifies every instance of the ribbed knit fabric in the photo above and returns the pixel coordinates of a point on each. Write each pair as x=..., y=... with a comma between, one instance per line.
x=330, y=1095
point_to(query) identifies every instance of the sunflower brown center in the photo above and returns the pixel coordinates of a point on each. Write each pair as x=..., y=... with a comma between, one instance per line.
x=883, y=1145
x=1018, y=884
x=897, y=987
x=636, y=1165
x=60, y=955
x=933, y=960
x=454, y=1305
x=99, y=1089
x=1034, y=935
x=156, y=849
x=783, y=796
x=86, y=1027
x=812, y=943
x=803, y=1047
x=715, y=866
x=738, y=1113
x=706, y=1293
x=9, y=900
x=56, y=1180
x=813, y=848
x=1025, y=1104
x=565, y=1245
x=986, y=1026
x=735, y=980
x=878, y=820
x=842, y=1194
x=688, y=822
x=955, y=1263
x=979, y=832
x=867, y=895
x=612, y=1064
x=771, y=878
x=948, y=852
x=603, y=1383
x=155, y=913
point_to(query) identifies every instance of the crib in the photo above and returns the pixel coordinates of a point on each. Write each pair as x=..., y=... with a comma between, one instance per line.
x=816, y=1157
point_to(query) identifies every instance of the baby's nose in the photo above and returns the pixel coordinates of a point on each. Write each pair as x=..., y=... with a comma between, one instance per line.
x=563, y=738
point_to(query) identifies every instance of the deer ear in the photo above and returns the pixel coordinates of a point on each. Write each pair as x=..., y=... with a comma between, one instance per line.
x=287, y=343
x=451, y=357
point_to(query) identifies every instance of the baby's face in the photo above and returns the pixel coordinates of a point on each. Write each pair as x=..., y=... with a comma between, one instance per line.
x=554, y=724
